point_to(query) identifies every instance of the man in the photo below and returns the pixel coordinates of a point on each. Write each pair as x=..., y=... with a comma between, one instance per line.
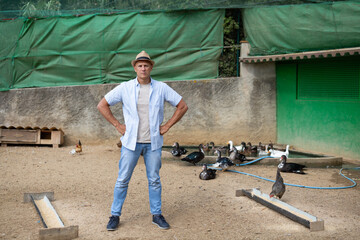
x=142, y=133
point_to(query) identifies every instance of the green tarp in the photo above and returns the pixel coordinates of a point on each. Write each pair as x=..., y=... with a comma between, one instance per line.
x=95, y=49
x=298, y=28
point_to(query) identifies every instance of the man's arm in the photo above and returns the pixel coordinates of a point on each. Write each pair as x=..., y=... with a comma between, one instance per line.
x=104, y=109
x=181, y=109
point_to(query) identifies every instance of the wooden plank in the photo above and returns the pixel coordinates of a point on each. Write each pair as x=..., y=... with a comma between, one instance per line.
x=57, y=137
x=18, y=136
x=64, y=233
x=46, y=141
x=285, y=209
x=38, y=136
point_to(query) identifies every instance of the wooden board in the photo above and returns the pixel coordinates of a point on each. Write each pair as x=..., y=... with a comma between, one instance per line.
x=18, y=136
x=283, y=208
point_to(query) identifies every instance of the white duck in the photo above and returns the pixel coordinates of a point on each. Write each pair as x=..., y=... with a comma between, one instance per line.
x=264, y=152
x=277, y=153
x=239, y=148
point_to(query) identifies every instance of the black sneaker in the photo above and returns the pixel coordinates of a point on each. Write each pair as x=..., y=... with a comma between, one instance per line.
x=113, y=223
x=160, y=221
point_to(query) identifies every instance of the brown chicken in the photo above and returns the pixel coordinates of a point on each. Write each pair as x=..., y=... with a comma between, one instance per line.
x=78, y=147
x=119, y=144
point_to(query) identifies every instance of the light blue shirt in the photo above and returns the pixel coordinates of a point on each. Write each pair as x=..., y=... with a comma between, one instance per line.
x=127, y=93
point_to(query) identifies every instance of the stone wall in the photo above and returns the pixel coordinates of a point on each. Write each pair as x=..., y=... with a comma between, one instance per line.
x=237, y=109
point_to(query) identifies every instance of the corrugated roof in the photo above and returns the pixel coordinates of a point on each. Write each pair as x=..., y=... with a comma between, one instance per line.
x=31, y=128
x=304, y=55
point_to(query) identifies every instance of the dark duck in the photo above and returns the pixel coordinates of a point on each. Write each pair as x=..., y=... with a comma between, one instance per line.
x=177, y=150
x=235, y=156
x=223, y=149
x=223, y=162
x=195, y=157
x=209, y=147
x=247, y=151
x=253, y=149
x=242, y=148
x=290, y=167
x=278, y=189
x=207, y=173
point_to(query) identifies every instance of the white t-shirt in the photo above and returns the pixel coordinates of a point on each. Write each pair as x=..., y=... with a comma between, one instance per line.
x=143, y=135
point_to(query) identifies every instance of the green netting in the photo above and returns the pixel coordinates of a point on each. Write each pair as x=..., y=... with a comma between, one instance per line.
x=299, y=28
x=41, y=8
x=95, y=49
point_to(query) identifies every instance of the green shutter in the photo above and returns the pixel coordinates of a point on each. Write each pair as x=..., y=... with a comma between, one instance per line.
x=328, y=80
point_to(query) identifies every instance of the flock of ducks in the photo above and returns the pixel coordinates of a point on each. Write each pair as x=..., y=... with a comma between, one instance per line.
x=236, y=155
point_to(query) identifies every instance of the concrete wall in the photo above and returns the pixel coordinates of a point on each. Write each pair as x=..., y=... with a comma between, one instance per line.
x=237, y=109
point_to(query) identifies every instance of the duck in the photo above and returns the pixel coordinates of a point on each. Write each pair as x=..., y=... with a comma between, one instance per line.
x=223, y=162
x=277, y=153
x=252, y=148
x=207, y=173
x=235, y=156
x=290, y=167
x=264, y=152
x=261, y=147
x=209, y=146
x=195, y=157
x=278, y=188
x=231, y=145
x=177, y=150
x=243, y=147
x=223, y=149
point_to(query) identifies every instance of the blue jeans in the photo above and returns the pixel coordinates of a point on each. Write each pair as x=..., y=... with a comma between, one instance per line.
x=127, y=163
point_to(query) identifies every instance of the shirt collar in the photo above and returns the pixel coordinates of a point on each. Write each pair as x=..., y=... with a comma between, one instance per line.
x=138, y=84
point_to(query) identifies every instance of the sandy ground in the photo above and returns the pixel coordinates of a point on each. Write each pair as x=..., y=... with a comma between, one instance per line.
x=196, y=209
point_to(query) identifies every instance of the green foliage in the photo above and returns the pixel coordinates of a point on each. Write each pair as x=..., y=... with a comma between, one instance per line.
x=41, y=8
x=28, y=9
x=228, y=63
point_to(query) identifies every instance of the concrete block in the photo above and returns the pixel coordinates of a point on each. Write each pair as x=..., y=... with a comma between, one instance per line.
x=63, y=233
x=37, y=196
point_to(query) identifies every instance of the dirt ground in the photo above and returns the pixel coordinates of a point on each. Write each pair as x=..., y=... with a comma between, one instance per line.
x=195, y=209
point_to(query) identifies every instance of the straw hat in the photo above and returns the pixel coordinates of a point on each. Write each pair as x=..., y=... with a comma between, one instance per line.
x=142, y=56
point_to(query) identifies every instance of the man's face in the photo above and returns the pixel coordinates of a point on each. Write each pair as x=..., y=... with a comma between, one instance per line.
x=143, y=69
